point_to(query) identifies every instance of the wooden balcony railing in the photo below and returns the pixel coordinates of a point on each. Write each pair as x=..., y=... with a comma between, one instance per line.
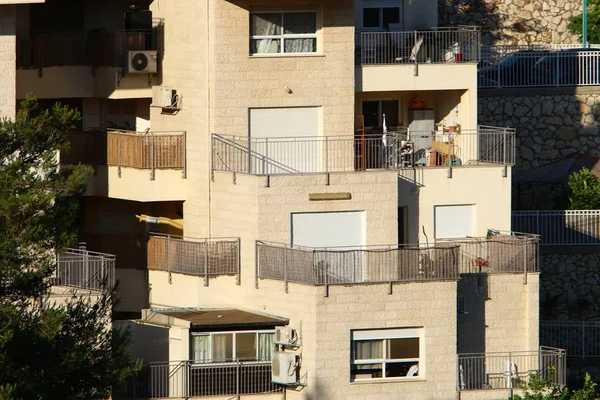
x=124, y=149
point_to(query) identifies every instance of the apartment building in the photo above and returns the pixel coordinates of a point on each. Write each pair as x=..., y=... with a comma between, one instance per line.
x=329, y=220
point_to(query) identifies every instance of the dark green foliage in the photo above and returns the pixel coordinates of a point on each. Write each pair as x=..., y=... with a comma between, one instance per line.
x=584, y=190
x=48, y=351
x=545, y=389
x=575, y=24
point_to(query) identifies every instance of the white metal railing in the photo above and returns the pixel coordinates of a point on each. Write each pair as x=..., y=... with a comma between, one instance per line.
x=578, y=338
x=539, y=66
x=434, y=46
x=192, y=256
x=395, y=150
x=490, y=54
x=510, y=370
x=83, y=269
x=186, y=379
x=560, y=227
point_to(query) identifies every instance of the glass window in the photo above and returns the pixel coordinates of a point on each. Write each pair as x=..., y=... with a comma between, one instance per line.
x=371, y=18
x=201, y=348
x=245, y=346
x=292, y=32
x=266, y=346
x=222, y=347
x=385, y=353
x=230, y=346
x=380, y=17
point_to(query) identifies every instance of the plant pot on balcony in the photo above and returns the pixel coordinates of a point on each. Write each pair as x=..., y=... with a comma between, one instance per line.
x=416, y=105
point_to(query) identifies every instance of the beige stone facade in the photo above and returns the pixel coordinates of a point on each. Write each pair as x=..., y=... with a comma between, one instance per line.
x=7, y=62
x=205, y=58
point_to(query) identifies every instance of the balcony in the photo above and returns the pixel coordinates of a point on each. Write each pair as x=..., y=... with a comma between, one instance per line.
x=377, y=264
x=411, y=60
x=133, y=166
x=398, y=150
x=509, y=371
x=498, y=253
x=189, y=379
x=82, y=63
x=195, y=257
x=85, y=270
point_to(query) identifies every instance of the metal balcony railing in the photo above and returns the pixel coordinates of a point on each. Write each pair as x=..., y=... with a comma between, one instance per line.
x=185, y=379
x=197, y=257
x=434, y=46
x=83, y=269
x=510, y=370
x=95, y=48
x=395, y=150
x=343, y=266
x=539, y=66
x=498, y=253
x=150, y=150
x=560, y=227
x=578, y=338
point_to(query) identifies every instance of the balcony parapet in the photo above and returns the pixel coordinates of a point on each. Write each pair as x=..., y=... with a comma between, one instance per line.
x=497, y=253
x=196, y=257
x=435, y=46
x=38, y=49
x=510, y=370
x=83, y=269
x=347, y=266
x=150, y=150
x=398, y=150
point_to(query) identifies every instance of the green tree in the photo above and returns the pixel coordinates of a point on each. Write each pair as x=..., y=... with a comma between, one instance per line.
x=48, y=351
x=546, y=389
x=584, y=190
x=575, y=24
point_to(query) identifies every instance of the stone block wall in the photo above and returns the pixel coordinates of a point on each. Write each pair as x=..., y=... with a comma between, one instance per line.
x=570, y=285
x=549, y=126
x=513, y=21
x=7, y=62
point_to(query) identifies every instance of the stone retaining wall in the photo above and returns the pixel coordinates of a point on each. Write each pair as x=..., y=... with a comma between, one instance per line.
x=570, y=285
x=513, y=21
x=549, y=126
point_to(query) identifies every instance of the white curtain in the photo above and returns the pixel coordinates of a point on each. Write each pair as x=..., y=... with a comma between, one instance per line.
x=222, y=347
x=266, y=346
x=201, y=348
x=368, y=349
x=266, y=25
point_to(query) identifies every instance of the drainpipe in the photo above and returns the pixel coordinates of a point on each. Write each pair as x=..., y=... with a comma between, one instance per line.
x=584, y=15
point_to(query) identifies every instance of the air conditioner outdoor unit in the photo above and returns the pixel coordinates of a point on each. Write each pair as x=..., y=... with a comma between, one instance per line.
x=284, y=335
x=284, y=368
x=163, y=96
x=142, y=62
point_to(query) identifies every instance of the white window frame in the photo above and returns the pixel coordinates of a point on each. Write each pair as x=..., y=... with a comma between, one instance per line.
x=234, y=344
x=385, y=334
x=284, y=36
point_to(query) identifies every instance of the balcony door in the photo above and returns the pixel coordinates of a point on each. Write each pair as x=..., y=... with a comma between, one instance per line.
x=285, y=140
x=382, y=15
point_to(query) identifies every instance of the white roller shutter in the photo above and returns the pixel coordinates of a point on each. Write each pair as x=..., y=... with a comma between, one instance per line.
x=286, y=138
x=329, y=229
x=342, y=230
x=454, y=221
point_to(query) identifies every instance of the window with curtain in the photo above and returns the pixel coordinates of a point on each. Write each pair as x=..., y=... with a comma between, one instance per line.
x=229, y=346
x=386, y=354
x=288, y=32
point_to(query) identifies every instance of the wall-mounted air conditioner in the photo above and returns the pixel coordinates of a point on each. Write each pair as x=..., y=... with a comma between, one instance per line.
x=284, y=368
x=164, y=97
x=142, y=62
x=285, y=335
